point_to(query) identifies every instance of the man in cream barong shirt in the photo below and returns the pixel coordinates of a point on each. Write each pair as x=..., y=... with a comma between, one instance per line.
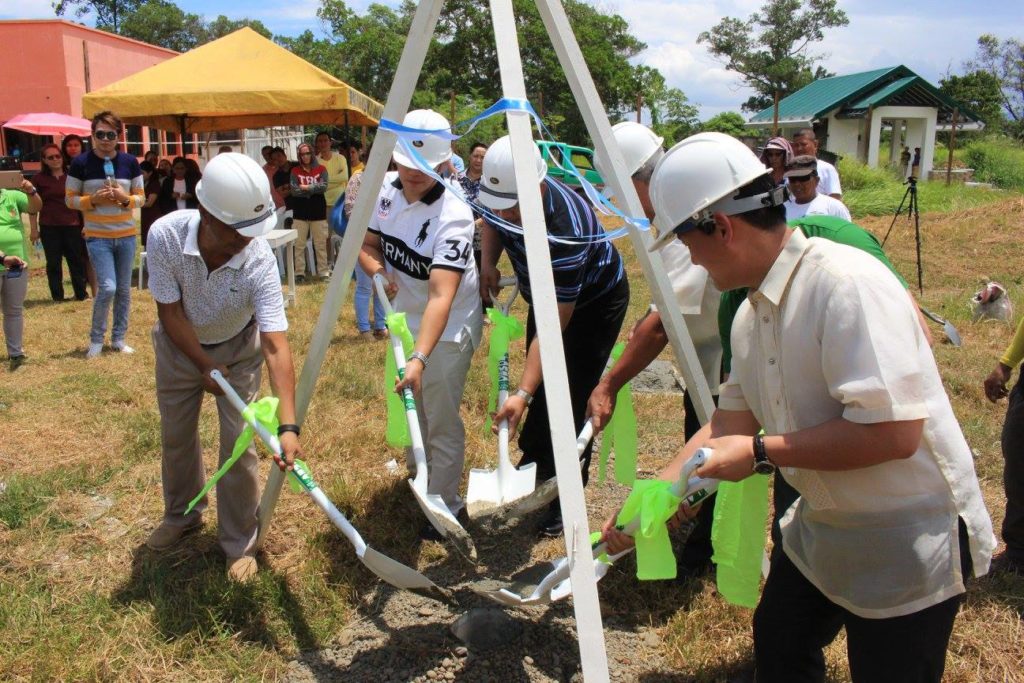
x=829, y=359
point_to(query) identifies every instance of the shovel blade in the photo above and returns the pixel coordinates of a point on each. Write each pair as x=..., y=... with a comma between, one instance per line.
x=501, y=516
x=488, y=490
x=444, y=521
x=402, y=576
x=563, y=589
x=952, y=334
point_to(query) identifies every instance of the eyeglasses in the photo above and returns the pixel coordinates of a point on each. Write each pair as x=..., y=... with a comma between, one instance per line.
x=52, y=157
x=108, y=135
x=803, y=179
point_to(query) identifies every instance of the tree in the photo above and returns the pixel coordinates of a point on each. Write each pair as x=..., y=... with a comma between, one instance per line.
x=769, y=49
x=673, y=117
x=221, y=26
x=1005, y=61
x=728, y=122
x=364, y=50
x=109, y=13
x=980, y=91
x=163, y=23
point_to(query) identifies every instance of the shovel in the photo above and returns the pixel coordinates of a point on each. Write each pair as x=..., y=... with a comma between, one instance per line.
x=491, y=488
x=549, y=581
x=500, y=516
x=391, y=571
x=947, y=327
x=433, y=505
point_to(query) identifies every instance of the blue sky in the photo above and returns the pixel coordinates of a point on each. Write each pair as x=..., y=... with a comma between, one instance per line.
x=929, y=36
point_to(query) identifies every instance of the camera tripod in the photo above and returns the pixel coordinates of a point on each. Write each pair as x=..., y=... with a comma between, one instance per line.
x=912, y=212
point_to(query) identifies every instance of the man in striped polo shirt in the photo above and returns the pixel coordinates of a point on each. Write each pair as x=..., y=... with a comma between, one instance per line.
x=106, y=186
x=592, y=292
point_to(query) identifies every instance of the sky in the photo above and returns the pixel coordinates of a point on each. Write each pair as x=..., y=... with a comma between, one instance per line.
x=931, y=37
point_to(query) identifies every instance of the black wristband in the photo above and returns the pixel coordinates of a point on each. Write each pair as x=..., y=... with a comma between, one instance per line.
x=294, y=429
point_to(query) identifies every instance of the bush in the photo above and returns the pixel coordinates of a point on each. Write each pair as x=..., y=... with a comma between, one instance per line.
x=857, y=176
x=996, y=160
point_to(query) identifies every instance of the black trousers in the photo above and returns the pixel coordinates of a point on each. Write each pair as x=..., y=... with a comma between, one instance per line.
x=588, y=340
x=697, y=551
x=62, y=242
x=794, y=621
x=1013, y=474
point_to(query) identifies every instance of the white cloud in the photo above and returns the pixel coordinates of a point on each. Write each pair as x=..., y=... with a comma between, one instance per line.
x=27, y=9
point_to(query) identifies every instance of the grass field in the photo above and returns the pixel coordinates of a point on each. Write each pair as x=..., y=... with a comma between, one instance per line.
x=82, y=599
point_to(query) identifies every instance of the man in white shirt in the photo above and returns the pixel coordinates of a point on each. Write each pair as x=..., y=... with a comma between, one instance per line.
x=804, y=197
x=830, y=361
x=219, y=307
x=805, y=143
x=698, y=300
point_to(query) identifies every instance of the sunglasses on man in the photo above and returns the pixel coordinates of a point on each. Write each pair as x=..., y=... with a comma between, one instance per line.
x=107, y=135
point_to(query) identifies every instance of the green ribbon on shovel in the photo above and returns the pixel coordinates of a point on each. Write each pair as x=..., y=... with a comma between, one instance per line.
x=504, y=330
x=654, y=501
x=397, y=432
x=300, y=478
x=621, y=434
x=737, y=536
x=263, y=411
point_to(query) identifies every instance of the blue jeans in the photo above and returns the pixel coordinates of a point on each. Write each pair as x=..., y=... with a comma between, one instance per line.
x=112, y=260
x=364, y=290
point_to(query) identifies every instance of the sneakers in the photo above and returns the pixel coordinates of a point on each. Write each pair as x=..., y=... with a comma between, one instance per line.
x=365, y=336
x=17, y=361
x=166, y=536
x=119, y=346
x=551, y=525
x=242, y=569
x=122, y=347
x=94, y=350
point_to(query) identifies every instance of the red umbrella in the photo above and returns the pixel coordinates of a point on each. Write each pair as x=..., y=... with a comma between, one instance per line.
x=50, y=123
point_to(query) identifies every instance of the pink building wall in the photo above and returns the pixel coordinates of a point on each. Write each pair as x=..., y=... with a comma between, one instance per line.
x=44, y=64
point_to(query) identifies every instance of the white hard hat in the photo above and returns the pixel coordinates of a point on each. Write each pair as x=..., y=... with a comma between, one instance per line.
x=637, y=142
x=236, y=191
x=433, y=148
x=498, y=182
x=700, y=176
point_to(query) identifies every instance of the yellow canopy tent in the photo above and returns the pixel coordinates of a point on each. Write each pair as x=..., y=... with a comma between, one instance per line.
x=239, y=81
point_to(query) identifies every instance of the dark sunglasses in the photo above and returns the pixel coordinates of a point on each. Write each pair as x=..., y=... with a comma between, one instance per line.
x=51, y=157
x=804, y=179
x=105, y=134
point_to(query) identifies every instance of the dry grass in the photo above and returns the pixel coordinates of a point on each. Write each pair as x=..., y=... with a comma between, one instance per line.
x=81, y=599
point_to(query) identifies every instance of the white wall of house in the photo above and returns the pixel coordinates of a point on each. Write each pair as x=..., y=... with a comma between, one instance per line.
x=850, y=137
x=843, y=136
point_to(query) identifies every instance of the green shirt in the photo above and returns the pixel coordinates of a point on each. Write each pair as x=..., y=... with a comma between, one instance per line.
x=827, y=227
x=12, y=231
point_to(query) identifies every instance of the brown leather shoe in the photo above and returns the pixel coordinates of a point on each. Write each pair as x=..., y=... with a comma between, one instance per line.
x=166, y=536
x=242, y=569
x=380, y=334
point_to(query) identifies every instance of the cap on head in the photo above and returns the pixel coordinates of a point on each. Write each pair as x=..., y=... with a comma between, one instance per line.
x=803, y=166
x=434, y=149
x=236, y=191
x=498, y=181
x=637, y=143
x=700, y=176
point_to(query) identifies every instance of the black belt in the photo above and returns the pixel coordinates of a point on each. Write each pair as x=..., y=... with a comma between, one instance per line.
x=252, y=321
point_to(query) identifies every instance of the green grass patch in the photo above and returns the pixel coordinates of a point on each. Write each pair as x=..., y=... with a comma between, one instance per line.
x=996, y=160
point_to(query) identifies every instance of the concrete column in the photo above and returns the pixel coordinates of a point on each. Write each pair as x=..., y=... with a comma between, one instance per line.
x=928, y=149
x=894, y=142
x=874, y=133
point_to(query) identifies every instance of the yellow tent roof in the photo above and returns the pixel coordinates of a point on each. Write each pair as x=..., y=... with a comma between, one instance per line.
x=241, y=80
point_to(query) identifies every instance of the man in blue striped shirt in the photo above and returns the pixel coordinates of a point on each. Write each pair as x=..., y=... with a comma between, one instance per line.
x=592, y=293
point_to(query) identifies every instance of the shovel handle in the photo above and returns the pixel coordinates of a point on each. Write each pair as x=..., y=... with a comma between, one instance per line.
x=311, y=487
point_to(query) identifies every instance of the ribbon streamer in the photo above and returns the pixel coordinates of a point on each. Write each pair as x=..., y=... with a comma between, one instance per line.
x=397, y=432
x=621, y=433
x=653, y=501
x=504, y=330
x=263, y=411
x=301, y=478
x=738, y=538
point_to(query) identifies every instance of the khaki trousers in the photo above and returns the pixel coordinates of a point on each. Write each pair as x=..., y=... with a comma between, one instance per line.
x=320, y=235
x=179, y=392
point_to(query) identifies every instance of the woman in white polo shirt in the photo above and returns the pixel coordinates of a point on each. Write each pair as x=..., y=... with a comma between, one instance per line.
x=421, y=239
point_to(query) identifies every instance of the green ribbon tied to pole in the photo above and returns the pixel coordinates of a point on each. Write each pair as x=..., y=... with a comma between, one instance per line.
x=621, y=434
x=263, y=411
x=397, y=432
x=738, y=538
x=301, y=478
x=654, y=502
x=504, y=330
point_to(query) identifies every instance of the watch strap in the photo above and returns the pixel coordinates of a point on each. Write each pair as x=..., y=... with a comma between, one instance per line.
x=294, y=429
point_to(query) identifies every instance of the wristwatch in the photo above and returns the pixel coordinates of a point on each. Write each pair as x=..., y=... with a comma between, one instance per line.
x=421, y=357
x=525, y=395
x=762, y=465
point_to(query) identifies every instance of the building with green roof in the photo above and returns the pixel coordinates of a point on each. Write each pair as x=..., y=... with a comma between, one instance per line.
x=848, y=114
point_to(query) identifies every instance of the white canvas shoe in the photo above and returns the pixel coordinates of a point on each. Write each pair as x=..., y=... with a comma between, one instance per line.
x=121, y=347
x=94, y=350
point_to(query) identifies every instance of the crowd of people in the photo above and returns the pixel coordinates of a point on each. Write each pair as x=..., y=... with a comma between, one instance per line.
x=815, y=351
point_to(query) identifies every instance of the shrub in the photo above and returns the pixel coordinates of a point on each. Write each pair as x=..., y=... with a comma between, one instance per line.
x=997, y=160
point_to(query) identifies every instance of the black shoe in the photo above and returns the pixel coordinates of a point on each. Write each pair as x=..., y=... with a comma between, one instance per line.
x=18, y=361
x=1004, y=564
x=429, y=533
x=551, y=525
